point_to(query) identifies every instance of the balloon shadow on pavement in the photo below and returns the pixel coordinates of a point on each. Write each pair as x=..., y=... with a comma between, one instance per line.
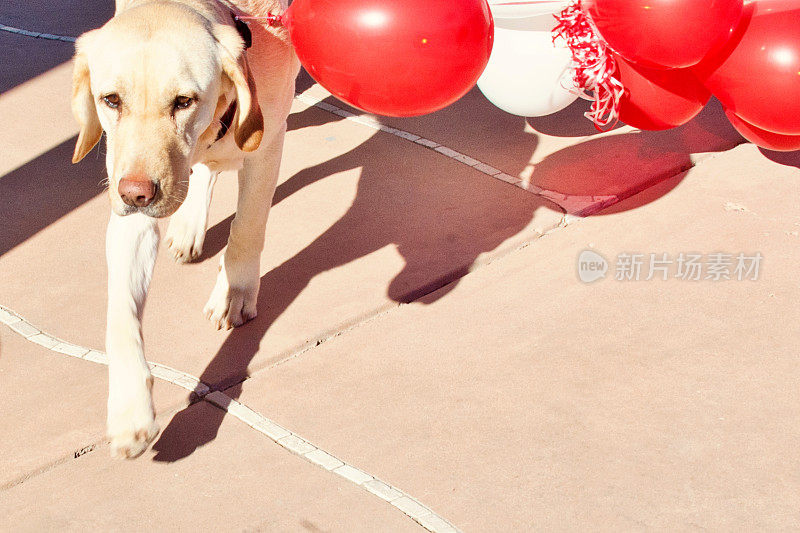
x=789, y=159
x=622, y=164
x=439, y=224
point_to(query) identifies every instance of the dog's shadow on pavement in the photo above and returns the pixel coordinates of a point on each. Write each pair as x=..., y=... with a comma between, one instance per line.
x=389, y=210
x=415, y=207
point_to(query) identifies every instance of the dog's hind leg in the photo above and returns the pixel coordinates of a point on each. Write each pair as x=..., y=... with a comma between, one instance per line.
x=131, y=248
x=187, y=227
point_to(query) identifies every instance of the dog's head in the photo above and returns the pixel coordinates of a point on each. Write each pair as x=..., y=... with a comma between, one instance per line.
x=157, y=79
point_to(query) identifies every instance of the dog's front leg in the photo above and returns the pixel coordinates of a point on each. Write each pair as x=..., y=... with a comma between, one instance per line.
x=233, y=300
x=131, y=248
x=187, y=227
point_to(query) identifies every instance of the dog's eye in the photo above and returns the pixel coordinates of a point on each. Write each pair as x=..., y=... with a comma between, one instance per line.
x=182, y=102
x=112, y=100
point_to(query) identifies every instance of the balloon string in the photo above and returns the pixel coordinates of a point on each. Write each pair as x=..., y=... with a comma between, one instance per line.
x=270, y=19
x=593, y=63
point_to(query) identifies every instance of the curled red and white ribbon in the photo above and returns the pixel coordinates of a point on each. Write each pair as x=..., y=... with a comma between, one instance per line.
x=593, y=63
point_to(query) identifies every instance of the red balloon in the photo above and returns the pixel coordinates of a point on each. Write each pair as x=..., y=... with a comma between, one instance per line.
x=658, y=99
x=763, y=138
x=393, y=57
x=757, y=75
x=664, y=33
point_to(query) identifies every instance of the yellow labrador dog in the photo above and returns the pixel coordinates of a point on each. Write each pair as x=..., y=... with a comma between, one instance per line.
x=183, y=90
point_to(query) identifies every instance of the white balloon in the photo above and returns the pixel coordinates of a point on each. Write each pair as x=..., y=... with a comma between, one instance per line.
x=527, y=74
x=512, y=9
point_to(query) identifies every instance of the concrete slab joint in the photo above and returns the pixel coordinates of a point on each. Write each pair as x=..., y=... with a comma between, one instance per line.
x=278, y=434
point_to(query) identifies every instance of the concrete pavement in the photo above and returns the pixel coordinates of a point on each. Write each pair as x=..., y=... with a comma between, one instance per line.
x=425, y=354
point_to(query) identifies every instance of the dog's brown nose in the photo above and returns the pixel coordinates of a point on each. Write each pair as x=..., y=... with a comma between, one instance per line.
x=137, y=191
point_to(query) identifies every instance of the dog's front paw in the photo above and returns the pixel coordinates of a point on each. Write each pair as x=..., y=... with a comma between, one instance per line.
x=231, y=305
x=132, y=443
x=186, y=233
x=131, y=423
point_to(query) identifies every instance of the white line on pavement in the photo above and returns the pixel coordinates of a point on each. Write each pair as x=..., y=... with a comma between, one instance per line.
x=576, y=206
x=291, y=442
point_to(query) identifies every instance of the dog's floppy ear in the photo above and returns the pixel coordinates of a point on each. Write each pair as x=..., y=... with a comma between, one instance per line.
x=83, y=106
x=248, y=124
